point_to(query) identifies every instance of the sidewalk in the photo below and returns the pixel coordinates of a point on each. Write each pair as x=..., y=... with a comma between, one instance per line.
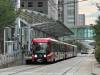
x=96, y=68
x=88, y=67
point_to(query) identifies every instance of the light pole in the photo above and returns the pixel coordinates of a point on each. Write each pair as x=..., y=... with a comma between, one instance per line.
x=19, y=29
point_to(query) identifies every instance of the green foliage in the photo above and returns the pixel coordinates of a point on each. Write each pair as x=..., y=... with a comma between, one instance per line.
x=80, y=46
x=97, y=39
x=7, y=13
x=97, y=54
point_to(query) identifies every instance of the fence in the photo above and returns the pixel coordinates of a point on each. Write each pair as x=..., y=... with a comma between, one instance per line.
x=10, y=60
x=11, y=56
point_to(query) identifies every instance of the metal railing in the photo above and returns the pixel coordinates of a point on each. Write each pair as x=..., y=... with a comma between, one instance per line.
x=11, y=56
x=10, y=59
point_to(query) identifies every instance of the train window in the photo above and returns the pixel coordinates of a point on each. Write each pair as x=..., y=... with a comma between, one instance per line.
x=40, y=47
x=73, y=49
x=55, y=47
x=61, y=47
x=68, y=48
x=52, y=46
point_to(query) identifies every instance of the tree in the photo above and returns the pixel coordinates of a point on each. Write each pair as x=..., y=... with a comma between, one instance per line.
x=97, y=39
x=7, y=18
x=80, y=46
x=7, y=13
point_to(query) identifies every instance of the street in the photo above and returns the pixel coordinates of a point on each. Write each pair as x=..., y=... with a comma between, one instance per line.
x=49, y=30
x=80, y=65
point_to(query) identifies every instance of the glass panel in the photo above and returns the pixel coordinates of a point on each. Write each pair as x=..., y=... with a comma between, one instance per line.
x=39, y=47
x=40, y=4
x=30, y=4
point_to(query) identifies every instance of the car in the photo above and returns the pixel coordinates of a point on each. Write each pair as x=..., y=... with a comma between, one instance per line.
x=93, y=52
x=84, y=52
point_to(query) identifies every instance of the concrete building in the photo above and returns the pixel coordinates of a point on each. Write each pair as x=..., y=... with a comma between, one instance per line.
x=70, y=12
x=49, y=7
x=61, y=10
x=65, y=11
x=81, y=20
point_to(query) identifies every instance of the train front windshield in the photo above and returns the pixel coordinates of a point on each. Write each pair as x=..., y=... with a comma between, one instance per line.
x=40, y=47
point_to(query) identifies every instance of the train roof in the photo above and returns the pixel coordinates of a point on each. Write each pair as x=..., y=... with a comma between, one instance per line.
x=43, y=40
x=48, y=40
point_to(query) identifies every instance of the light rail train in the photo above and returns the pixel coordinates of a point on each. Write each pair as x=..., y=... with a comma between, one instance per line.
x=51, y=50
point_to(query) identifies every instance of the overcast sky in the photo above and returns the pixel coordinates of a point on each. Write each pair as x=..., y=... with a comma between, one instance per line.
x=90, y=10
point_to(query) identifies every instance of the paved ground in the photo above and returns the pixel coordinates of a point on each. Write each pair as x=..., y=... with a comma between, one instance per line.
x=81, y=65
x=88, y=67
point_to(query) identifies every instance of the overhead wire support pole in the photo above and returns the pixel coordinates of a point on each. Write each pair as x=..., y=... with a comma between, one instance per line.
x=17, y=8
x=4, y=41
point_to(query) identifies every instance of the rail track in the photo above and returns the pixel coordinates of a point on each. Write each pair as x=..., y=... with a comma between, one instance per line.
x=19, y=69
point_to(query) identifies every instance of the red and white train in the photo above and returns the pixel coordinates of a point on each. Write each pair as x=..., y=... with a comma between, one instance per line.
x=51, y=50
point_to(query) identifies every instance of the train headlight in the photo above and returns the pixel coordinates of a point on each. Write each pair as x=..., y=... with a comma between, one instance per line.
x=45, y=56
x=35, y=56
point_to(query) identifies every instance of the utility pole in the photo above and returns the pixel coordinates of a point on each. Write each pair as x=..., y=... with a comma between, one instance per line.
x=19, y=29
x=17, y=4
x=19, y=26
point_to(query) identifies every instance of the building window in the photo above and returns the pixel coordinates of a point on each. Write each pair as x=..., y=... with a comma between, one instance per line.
x=40, y=4
x=22, y=4
x=30, y=4
x=40, y=11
